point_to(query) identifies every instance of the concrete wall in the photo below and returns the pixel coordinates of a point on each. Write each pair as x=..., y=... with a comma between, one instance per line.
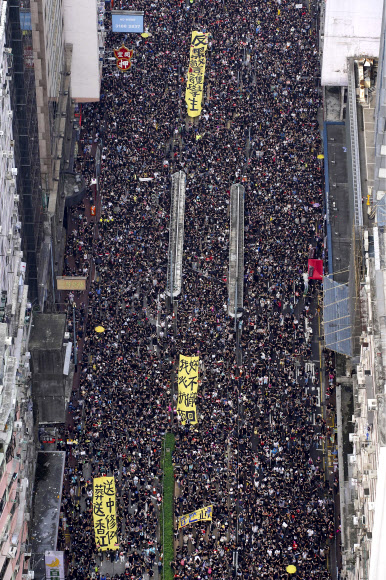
x=16, y=445
x=379, y=198
x=81, y=30
x=351, y=28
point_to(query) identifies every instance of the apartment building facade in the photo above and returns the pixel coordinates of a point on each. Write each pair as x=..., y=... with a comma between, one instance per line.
x=16, y=421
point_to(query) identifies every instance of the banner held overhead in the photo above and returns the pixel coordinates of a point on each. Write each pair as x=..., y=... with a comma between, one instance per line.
x=104, y=513
x=200, y=515
x=187, y=388
x=196, y=73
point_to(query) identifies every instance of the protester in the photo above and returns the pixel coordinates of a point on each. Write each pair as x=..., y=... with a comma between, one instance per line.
x=253, y=454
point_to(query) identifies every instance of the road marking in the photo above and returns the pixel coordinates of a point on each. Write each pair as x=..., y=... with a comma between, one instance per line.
x=309, y=367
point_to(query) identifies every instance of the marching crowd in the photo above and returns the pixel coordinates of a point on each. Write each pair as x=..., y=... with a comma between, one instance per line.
x=253, y=454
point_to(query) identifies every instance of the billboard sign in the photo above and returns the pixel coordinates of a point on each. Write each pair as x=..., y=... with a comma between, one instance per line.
x=54, y=565
x=127, y=21
x=71, y=283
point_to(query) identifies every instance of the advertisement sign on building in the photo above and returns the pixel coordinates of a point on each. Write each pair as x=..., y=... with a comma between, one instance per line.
x=123, y=56
x=54, y=566
x=127, y=21
x=71, y=283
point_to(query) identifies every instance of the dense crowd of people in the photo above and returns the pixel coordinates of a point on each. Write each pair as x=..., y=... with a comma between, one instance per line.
x=252, y=454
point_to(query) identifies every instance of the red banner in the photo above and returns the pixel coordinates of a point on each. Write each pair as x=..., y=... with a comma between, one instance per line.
x=315, y=269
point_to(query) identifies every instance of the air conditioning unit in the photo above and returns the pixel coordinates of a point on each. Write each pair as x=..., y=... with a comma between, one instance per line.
x=355, y=520
x=1, y=133
x=356, y=547
x=10, y=155
x=8, y=175
x=353, y=437
x=4, y=537
x=372, y=473
x=10, y=114
x=12, y=552
x=4, y=154
x=16, y=198
x=372, y=404
x=14, y=171
x=27, y=516
x=352, y=459
x=371, y=506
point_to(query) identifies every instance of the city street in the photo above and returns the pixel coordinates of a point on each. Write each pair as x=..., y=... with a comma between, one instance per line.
x=263, y=451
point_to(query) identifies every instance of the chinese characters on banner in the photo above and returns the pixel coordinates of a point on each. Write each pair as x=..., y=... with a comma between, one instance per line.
x=104, y=513
x=123, y=56
x=196, y=73
x=200, y=515
x=187, y=388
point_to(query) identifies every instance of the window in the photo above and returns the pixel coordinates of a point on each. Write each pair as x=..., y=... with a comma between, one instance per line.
x=3, y=501
x=4, y=568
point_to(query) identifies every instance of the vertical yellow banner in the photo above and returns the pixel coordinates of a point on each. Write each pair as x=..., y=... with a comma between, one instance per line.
x=187, y=388
x=196, y=73
x=104, y=513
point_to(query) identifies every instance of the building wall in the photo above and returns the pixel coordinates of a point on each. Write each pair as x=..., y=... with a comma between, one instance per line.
x=81, y=30
x=363, y=492
x=23, y=98
x=53, y=21
x=52, y=63
x=379, y=197
x=352, y=28
x=9, y=224
x=16, y=426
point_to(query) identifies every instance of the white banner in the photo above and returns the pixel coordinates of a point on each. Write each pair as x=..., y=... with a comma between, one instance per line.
x=54, y=566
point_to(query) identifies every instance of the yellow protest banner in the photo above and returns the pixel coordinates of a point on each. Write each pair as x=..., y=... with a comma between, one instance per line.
x=196, y=73
x=200, y=515
x=104, y=513
x=187, y=388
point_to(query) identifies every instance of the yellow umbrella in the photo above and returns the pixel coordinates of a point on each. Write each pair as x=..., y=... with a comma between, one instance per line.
x=320, y=156
x=291, y=569
x=99, y=329
x=145, y=34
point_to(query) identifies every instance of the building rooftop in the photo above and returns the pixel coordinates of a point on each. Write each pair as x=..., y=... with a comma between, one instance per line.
x=46, y=506
x=47, y=331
